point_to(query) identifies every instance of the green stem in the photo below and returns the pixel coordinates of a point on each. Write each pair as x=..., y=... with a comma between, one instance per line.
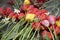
x=55, y=33
x=51, y=33
x=29, y=33
x=38, y=35
x=13, y=28
x=21, y=31
x=33, y=35
x=4, y=24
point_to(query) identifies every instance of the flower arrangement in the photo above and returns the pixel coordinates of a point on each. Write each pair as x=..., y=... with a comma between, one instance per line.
x=28, y=22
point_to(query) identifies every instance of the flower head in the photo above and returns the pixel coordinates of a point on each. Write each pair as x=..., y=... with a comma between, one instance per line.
x=36, y=25
x=51, y=19
x=30, y=17
x=45, y=23
x=16, y=11
x=27, y=2
x=21, y=15
x=58, y=23
x=44, y=33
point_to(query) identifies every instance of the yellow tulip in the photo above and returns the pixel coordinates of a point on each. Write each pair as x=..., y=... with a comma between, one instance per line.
x=58, y=23
x=27, y=2
x=30, y=17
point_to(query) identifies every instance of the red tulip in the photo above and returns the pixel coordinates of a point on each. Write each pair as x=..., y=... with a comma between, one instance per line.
x=25, y=7
x=57, y=29
x=21, y=15
x=47, y=33
x=15, y=16
x=42, y=16
x=31, y=7
x=11, y=14
x=2, y=11
x=8, y=10
x=36, y=25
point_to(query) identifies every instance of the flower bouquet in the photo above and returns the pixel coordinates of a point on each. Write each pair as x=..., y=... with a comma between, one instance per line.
x=30, y=20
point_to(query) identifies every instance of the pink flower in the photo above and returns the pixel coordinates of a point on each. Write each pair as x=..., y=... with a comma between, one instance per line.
x=51, y=19
x=45, y=23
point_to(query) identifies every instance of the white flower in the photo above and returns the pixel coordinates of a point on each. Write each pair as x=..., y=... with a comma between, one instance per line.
x=47, y=13
x=16, y=11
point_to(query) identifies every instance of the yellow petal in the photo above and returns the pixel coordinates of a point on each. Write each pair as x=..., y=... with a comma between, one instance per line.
x=27, y=2
x=58, y=23
x=30, y=17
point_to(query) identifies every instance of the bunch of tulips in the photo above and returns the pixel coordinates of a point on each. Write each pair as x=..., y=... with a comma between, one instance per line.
x=28, y=23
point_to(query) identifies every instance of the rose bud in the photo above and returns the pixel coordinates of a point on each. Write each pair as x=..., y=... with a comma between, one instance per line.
x=45, y=23
x=21, y=15
x=51, y=19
